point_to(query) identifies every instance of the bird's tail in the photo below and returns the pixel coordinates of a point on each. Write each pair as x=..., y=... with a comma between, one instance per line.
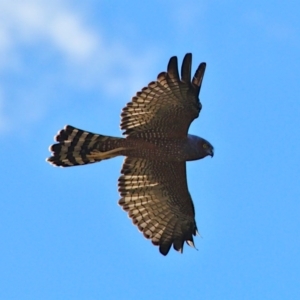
x=78, y=147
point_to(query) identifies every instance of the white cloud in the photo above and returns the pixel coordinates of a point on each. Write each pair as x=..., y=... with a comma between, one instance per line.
x=72, y=38
x=87, y=58
x=33, y=21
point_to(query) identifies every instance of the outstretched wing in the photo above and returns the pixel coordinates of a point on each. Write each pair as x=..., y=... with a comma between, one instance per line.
x=168, y=105
x=156, y=197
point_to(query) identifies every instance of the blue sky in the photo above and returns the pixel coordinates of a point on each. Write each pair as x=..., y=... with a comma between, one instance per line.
x=63, y=236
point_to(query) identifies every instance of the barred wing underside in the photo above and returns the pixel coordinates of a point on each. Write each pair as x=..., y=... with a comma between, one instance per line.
x=167, y=106
x=156, y=197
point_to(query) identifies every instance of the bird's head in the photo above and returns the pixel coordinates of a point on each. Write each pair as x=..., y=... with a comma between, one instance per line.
x=206, y=147
x=201, y=147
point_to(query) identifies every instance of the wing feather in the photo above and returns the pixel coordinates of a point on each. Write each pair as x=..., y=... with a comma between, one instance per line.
x=156, y=197
x=186, y=68
x=198, y=77
x=166, y=106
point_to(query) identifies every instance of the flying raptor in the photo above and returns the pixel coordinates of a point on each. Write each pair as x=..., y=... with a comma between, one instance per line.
x=153, y=184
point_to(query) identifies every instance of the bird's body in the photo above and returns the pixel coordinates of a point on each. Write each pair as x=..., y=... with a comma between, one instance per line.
x=153, y=184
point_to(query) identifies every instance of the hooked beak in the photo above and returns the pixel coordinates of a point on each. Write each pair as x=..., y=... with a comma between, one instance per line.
x=212, y=153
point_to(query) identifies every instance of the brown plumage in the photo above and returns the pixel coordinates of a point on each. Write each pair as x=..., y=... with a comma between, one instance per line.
x=153, y=185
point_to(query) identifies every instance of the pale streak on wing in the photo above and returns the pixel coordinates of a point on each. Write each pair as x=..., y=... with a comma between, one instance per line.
x=156, y=197
x=166, y=106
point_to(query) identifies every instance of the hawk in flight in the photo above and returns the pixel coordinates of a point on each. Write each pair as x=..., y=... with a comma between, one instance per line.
x=153, y=184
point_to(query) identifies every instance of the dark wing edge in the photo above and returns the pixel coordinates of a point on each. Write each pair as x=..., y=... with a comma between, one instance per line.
x=198, y=77
x=162, y=211
x=186, y=69
x=172, y=69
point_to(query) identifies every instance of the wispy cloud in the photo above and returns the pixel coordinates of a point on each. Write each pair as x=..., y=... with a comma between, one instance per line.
x=31, y=22
x=54, y=30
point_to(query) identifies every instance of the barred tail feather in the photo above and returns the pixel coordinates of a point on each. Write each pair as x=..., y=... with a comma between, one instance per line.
x=78, y=147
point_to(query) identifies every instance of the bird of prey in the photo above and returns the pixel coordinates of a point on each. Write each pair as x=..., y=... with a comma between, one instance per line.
x=153, y=184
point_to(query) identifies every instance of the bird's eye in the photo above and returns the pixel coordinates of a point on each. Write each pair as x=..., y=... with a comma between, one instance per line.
x=205, y=146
